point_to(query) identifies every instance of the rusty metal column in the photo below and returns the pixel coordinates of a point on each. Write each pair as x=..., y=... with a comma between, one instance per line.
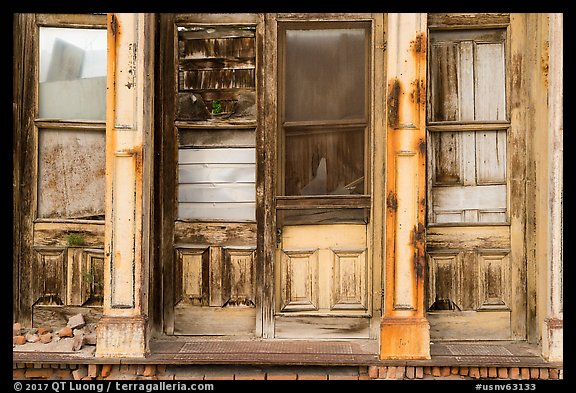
x=122, y=330
x=553, y=331
x=404, y=330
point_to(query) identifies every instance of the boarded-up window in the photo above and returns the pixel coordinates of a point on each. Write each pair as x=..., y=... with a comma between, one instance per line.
x=216, y=110
x=468, y=75
x=467, y=119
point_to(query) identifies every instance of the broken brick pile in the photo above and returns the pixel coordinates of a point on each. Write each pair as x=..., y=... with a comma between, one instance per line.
x=76, y=328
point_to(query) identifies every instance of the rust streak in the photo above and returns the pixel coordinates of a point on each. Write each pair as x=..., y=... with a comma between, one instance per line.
x=392, y=201
x=393, y=111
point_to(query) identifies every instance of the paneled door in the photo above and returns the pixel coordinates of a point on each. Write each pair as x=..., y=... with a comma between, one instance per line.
x=208, y=196
x=59, y=151
x=474, y=279
x=323, y=263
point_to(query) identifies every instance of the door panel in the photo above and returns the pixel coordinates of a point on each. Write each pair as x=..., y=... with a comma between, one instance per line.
x=469, y=280
x=61, y=143
x=323, y=267
x=323, y=279
x=213, y=164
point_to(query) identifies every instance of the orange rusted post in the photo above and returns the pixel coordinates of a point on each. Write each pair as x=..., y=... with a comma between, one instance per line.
x=122, y=330
x=404, y=330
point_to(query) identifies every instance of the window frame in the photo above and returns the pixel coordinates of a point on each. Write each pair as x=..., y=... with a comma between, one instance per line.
x=78, y=21
x=444, y=23
x=323, y=201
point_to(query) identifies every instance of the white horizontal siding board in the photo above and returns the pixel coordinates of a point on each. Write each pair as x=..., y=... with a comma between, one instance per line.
x=490, y=95
x=467, y=198
x=217, y=156
x=216, y=173
x=217, y=211
x=223, y=192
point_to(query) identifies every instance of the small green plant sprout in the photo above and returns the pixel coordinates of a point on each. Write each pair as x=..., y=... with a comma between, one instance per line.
x=75, y=239
x=216, y=107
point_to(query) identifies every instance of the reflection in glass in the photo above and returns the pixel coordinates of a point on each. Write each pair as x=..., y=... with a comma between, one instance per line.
x=72, y=75
x=325, y=74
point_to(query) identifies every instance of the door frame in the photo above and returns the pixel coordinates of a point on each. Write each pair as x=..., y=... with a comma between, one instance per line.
x=267, y=144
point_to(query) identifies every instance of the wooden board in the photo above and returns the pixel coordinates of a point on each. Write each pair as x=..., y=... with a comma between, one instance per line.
x=210, y=321
x=469, y=325
x=321, y=327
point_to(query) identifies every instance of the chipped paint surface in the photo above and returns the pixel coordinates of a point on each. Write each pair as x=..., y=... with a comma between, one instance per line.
x=127, y=101
x=405, y=190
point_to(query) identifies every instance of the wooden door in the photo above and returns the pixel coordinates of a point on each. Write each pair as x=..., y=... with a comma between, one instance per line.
x=474, y=276
x=323, y=263
x=60, y=166
x=208, y=109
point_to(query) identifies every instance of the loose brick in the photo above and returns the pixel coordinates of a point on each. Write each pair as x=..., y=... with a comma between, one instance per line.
x=445, y=371
x=18, y=373
x=165, y=377
x=18, y=340
x=87, y=379
x=382, y=371
x=454, y=370
x=492, y=372
x=435, y=371
x=78, y=342
x=43, y=373
x=149, y=370
x=16, y=329
x=76, y=321
x=391, y=374
x=106, y=368
x=400, y=372
x=543, y=373
x=534, y=373
x=46, y=338
x=554, y=373
x=410, y=372
x=483, y=372
x=514, y=373
x=561, y=374
x=92, y=370
x=65, y=332
x=189, y=377
x=80, y=373
x=90, y=339
x=373, y=372
x=32, y=338
x=419, y=372
x=474, y=372
x=503, y=372
x=525, y=373
x=464, y=371
x=43, y=330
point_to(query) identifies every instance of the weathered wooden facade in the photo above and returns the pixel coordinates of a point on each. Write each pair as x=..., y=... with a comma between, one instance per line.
x=388, y=179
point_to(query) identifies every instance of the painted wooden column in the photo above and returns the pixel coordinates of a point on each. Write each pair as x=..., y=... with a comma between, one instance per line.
x=122, y=330
x=552, y=336
x=404, y=330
